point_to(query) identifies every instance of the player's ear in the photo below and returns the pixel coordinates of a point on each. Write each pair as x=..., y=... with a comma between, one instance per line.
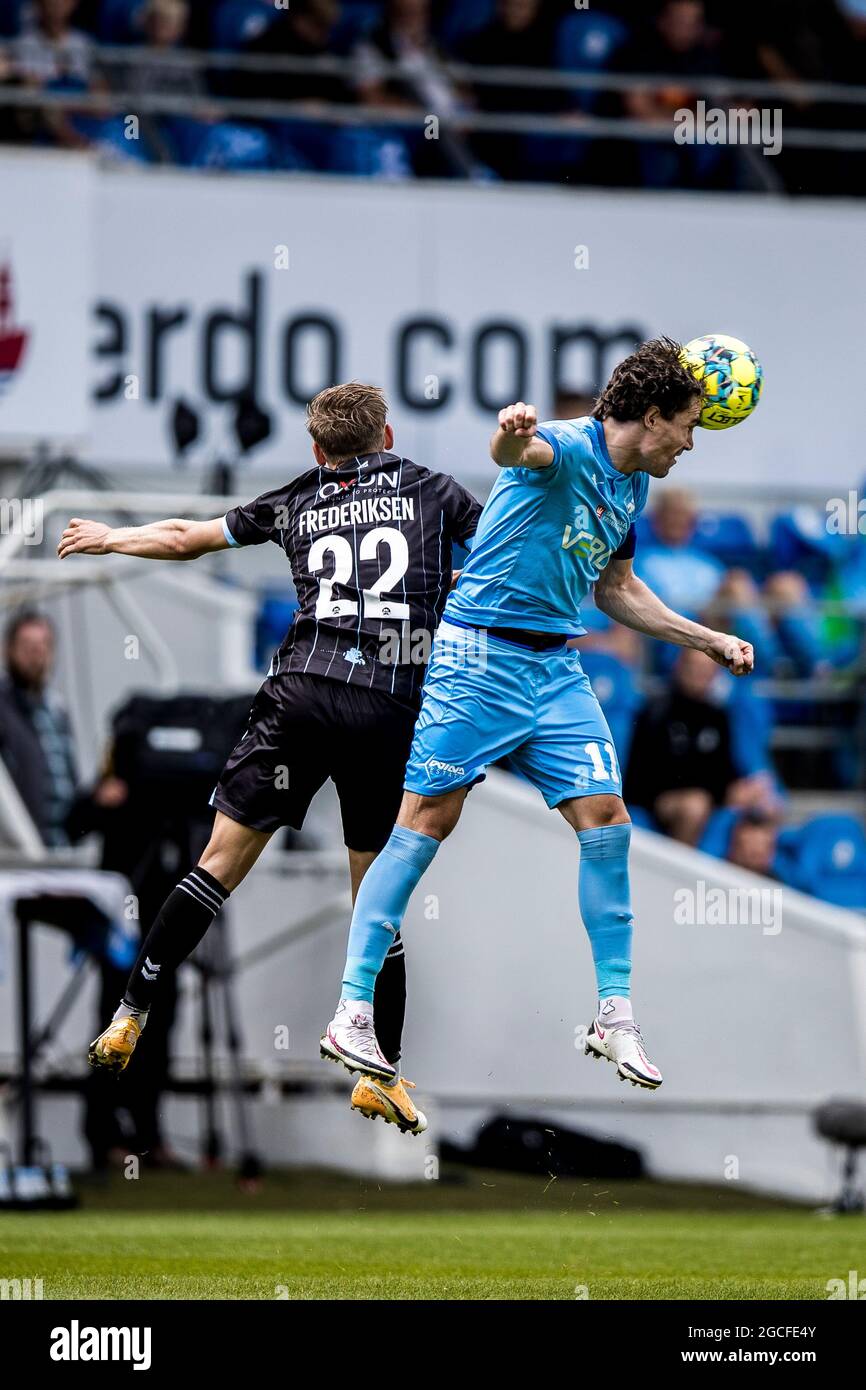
x=651, y=417
x=388, y=438
x=319, y=455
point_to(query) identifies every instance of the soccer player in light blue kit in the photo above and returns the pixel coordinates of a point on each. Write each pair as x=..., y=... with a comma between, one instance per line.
x=502, y=681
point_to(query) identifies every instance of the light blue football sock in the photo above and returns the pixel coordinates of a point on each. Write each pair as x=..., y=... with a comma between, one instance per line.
x=605, y=905
x=382, y=898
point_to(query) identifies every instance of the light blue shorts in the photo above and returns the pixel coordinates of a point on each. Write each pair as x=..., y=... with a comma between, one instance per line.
x=486, y=699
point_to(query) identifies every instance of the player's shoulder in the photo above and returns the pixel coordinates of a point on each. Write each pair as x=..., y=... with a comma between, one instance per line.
x=288, y=494
x=579, y=433
x=573, y=440
x=410, y=471
x=431, y=479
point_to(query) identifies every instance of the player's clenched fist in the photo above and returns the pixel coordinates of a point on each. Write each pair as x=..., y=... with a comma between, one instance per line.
x=83, y=538
x=732, y=652
x=520, y=419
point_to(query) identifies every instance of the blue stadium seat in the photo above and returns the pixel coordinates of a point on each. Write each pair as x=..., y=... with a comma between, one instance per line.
x=799, y=540
x=717, y=832
x=587, y=42
x=273, y=621
x=230, y=145
x=371, y=152
x=641, y=817
x=109, y=135
x=583, y=43
x=729, y=538
x=751, y=722
x=831, y=861
x=237, y=22
x=852, y=574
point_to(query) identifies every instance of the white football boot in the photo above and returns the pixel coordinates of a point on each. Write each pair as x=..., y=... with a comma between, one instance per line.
x=624, y=1046
x=349, y=1038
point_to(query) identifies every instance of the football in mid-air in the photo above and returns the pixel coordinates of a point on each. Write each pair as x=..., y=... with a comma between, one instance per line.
x=731, y=375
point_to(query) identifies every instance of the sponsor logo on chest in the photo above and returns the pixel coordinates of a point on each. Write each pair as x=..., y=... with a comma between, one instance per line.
x=580, y=535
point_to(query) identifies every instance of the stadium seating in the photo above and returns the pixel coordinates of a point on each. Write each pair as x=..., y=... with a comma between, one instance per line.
x=730, y=539
x=237, y=22
x=587, y=43
x=831, y=861
x=825, y=857
x=614, y=684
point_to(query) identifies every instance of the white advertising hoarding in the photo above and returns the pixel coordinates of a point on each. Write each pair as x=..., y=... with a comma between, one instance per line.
x=455, y=298
x=46, y=259
x=459, y=299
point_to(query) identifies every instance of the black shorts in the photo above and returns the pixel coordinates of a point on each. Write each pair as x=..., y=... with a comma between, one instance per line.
x=305, y=729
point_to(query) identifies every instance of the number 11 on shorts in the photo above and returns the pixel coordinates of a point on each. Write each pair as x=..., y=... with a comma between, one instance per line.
x=599, y=771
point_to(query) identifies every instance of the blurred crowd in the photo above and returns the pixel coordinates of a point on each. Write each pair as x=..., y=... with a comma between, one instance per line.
x=398, y=59
x=711, y=760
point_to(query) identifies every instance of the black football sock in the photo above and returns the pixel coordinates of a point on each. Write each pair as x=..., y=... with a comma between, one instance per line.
x=389, y=1002
x=179, y=926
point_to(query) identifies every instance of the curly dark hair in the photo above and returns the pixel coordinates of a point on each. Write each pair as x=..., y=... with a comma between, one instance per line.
x=652, y=375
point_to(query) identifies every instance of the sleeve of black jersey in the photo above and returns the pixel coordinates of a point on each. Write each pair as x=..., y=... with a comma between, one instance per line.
x=629, y=546
x=461, y=509
x=257, y=521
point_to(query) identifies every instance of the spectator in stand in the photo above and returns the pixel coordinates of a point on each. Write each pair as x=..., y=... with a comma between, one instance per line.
x=781, y=621
x=51, y=54
x=38, y=749
x=753, y=842
x=405, y=38
x=521, y=35
x=302, y=31
x=164, y=26
x=677, y=42
x=305, y=31
x=36, y=741
x=684, y=576
x=18, y=125
x=203, y=141
x=682, y=763
x=824, y=856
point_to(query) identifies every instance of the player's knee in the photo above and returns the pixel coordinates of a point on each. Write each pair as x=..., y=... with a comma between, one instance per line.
x=613, y=813
x=593, y=812
x=435, y=816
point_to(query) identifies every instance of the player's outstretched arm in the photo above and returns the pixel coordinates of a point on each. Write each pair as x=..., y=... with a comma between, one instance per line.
x=622, y=596
x=515, y=443
x=173, y=539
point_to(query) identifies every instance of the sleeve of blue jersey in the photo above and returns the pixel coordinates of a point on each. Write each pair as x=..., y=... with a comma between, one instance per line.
x=558, y=435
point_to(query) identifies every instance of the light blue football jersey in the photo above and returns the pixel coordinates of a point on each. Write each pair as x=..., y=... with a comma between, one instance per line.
x=545, y=534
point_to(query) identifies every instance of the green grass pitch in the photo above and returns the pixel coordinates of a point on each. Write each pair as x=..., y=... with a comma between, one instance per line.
x=472, y=1235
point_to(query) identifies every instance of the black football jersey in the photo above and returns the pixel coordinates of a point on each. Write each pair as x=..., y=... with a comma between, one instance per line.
x=370, y=546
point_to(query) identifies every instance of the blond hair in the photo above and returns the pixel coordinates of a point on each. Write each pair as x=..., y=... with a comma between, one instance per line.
x=348, y=419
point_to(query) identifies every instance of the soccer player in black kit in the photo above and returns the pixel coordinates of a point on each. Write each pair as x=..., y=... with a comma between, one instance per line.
x=369, y=538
